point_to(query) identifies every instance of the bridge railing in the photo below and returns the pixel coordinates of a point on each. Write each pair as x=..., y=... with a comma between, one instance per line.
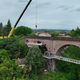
x=56, y=38
x=48, y=55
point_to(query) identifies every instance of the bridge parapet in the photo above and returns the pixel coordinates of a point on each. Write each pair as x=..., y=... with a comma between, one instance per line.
x=56, y=38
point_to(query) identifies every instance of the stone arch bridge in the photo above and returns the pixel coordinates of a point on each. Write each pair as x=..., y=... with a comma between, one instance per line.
x=54, y=45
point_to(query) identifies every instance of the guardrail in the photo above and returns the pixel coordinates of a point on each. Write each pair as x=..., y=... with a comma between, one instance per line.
x=52, y=56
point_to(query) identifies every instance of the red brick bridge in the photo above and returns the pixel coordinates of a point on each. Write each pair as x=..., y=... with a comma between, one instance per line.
x=55, y=46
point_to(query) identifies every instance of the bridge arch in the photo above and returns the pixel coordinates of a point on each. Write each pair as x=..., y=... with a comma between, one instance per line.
x=58, y=52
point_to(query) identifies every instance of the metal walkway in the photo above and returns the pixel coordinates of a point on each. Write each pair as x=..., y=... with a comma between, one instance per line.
x=62, y=58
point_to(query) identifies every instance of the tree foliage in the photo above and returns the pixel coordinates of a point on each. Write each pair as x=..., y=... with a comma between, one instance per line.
x=7, y=28
x=72, y=69
x=17, y=47
x=1, y=28
x=54, y=34
x=35, y=59
x=22, y=30
x=50, y=76
x=9, y=68
x=75, y=33
x=3, y=55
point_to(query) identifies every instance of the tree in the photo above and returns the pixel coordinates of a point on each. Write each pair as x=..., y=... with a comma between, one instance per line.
x=10, y=70
x=1, y=28
x=22, y=30
x=7, y=28
x=72, y=69
x=54, y=34
x=17, y=47
x=32, y=34
x=35, y=59
x=3, y=55
x=75, y=33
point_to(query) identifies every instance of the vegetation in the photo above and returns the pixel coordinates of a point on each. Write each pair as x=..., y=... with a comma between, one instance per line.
x=50, y=76
x=17, y=49
x=14, y=48
x=1, y=28
x=7, y=28
x=75, y=33
x=72, y=70
x=54, y=34
x=4, y=30
x=35, y=59
x=22, y=30
x=65, y=70
x=8, y=68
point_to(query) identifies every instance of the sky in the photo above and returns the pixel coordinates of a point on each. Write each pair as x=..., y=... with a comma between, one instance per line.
x=46, y=14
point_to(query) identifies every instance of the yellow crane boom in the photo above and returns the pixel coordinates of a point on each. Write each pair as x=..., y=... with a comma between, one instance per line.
x=13, y=29
x=11, y=32
x=9, y=35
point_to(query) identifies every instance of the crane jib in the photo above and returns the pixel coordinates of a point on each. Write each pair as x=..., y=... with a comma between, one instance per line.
x=22, y=13
x=13, y=29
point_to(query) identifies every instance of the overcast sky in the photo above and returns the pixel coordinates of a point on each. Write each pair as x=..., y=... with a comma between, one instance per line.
x=52, y=14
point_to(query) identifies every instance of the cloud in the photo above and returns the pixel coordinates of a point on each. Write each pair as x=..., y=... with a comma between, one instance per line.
x=42, y=5
x=64, y=7
x=51, y=13
x=77, y=9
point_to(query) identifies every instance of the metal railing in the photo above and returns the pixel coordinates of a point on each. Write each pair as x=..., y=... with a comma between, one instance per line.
x=54, y=56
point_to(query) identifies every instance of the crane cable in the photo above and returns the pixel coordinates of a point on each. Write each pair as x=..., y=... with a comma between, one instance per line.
x=22, y=13
x=36, y=14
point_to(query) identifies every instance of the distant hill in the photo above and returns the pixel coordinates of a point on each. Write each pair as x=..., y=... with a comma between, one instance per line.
x=50, y=30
